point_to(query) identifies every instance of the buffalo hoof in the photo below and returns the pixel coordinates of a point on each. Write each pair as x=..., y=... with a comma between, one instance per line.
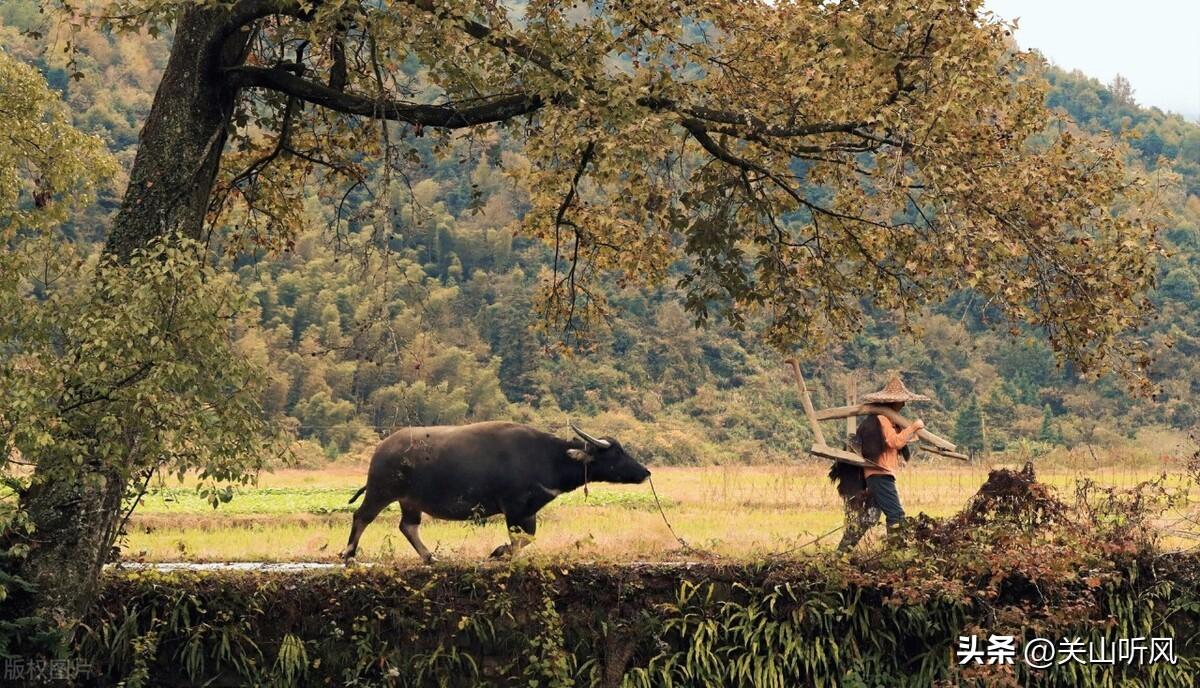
x=501, y=552
x=428, y=559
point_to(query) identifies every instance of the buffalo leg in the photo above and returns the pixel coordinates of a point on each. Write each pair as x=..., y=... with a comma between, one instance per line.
x=371, y=506
x=520, y=531
x=410, y=523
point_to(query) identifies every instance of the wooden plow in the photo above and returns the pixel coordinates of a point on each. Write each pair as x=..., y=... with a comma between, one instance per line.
x=929, y=441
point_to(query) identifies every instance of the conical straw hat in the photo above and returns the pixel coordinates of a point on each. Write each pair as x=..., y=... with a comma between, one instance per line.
x=893, y=391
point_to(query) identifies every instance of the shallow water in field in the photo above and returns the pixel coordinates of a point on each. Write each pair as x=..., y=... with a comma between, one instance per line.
x=263, y=566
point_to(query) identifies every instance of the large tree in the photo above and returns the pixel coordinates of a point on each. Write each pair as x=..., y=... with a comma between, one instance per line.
x=803, y=160
x=111, y=369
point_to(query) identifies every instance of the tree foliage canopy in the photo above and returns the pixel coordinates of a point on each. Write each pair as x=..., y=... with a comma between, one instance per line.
x=132, y=365
x=47, y=167
x=800, y=158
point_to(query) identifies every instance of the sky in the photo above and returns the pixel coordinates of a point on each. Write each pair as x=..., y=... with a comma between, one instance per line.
x=1153, y=43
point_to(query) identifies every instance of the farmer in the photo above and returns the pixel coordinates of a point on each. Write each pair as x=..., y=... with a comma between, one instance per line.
x=871, y=489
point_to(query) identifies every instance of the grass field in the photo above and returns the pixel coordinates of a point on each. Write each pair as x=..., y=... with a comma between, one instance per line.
x=738, y=511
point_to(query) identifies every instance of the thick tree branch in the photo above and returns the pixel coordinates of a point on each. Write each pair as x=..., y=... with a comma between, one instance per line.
x=246, y=12
x=441, y=116
x=243, y=15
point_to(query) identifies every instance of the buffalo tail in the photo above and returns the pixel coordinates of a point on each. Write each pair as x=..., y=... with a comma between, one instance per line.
x=849, y=479
x=357, y=494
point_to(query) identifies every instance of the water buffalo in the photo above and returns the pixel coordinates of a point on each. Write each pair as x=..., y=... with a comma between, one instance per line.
x=474, y=471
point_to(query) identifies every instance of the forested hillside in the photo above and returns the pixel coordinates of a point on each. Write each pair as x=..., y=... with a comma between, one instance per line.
x=416, y=303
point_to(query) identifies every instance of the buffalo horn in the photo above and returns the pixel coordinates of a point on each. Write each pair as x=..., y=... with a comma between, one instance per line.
x=603, y=444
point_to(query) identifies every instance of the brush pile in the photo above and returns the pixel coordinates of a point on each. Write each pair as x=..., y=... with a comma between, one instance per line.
x=1009, y=499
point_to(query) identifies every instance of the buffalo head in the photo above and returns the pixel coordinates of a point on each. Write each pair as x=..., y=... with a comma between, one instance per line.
x=606, y=460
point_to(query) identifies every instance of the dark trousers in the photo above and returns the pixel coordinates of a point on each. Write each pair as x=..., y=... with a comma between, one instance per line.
x=883, y=492
x=882, y=498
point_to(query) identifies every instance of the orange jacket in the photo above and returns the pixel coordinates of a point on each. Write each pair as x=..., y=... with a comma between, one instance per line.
x=893, y=442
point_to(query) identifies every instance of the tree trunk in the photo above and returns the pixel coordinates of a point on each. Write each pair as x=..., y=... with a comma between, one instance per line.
x=75, y=513
x=76, y=509
x=182, y=139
